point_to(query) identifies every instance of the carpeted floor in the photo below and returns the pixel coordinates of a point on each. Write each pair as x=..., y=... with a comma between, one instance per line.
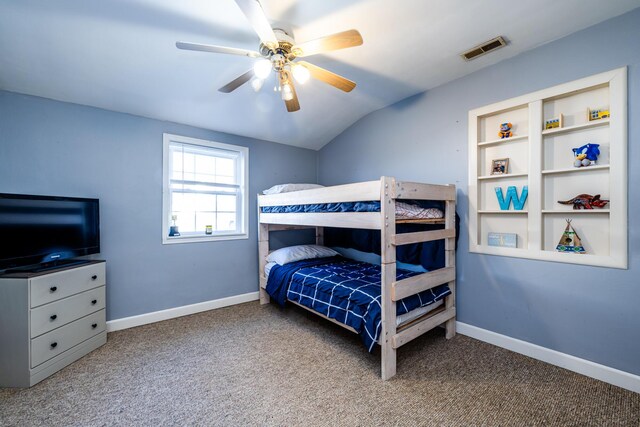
x=251, y=365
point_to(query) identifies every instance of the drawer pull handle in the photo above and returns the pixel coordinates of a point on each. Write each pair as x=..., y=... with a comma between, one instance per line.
x=54, y=344
x=95, y=325
x=53, y=317
x=53, y=288
x=94, y=302
x=94, y=277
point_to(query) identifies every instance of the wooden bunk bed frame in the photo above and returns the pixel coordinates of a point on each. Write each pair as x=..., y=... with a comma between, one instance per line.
x=386, y=190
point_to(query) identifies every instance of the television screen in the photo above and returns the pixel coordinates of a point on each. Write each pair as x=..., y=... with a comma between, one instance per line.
x=45, y=229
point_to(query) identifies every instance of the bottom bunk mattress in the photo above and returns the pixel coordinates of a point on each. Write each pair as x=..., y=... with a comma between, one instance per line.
x=345, y=290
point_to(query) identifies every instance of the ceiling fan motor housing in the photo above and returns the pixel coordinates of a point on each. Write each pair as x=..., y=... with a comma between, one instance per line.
x=285, y=42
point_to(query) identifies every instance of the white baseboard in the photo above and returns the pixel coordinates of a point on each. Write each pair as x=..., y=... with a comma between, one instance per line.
x=582, y=366
x=185, y=310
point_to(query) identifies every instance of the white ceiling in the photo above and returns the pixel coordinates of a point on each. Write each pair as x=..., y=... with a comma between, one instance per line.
x=120, y=55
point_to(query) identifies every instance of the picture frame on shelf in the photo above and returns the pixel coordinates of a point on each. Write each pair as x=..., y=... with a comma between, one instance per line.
x=500, y=166
x=505, y=240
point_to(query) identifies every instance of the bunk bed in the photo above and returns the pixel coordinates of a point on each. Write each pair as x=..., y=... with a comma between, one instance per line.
x=386, y=192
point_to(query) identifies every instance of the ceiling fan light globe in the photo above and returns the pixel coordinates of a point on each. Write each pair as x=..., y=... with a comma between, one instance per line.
x=287, y=92
x=256, y=84
x=262, y=68
x=301, y=73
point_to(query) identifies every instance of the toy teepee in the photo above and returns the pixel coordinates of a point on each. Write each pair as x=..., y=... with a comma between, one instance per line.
x=570, y=241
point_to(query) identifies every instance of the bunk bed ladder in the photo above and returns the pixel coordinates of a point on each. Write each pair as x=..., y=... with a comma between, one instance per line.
x=415, y=284
x=388, y=276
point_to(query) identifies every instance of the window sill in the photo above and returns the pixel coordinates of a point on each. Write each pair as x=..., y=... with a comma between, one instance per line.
x=198, y=239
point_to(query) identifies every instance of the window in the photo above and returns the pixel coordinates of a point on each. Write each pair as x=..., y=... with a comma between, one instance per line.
x=204, y=190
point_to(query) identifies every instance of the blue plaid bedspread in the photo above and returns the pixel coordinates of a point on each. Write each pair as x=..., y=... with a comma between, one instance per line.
x=345, y=290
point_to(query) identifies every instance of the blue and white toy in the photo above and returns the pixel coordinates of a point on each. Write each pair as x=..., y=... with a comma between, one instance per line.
x=586, y=155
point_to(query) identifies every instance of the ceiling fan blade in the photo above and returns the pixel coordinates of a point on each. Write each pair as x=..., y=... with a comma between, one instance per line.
x=328, y=77
x=292, y=104
x=235, y=84
x=217, y=49
x=343, y=40
x=252, y=9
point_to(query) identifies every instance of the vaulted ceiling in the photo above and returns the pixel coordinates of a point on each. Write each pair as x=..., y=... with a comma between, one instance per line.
x=120, y=55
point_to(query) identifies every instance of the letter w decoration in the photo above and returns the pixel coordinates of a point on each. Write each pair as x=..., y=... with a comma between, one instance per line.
x=512, y=195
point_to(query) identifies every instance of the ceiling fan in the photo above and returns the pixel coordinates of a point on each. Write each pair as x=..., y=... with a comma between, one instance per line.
x=277, y=53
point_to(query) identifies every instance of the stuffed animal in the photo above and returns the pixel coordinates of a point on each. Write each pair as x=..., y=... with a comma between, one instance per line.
x=505, y=130
x=586, y=154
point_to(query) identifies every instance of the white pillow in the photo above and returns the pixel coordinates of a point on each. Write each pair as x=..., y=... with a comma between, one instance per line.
x=298, y=253
x=286, y=188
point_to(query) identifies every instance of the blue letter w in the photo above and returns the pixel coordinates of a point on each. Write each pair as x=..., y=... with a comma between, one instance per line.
x=512, y=195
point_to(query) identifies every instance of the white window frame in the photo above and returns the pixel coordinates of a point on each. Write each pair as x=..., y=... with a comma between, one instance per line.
x=166, y=195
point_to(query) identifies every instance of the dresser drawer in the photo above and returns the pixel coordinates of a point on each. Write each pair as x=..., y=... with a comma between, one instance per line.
x=53, y=315
x=59, y=340
x=55, y=286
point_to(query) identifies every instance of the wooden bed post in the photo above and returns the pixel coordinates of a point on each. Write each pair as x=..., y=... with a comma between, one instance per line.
x=388, y=276
x=450, y=261
x=320, y=236
x=263, y=251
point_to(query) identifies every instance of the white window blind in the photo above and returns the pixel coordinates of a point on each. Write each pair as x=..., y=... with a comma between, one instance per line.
x=205, y=195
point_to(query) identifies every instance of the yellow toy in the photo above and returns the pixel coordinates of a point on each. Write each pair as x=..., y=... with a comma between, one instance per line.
x=505, y=130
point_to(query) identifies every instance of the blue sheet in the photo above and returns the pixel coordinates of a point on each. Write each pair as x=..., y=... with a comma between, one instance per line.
x=369, y=206
x=345, y=290
x=430, y=255
x=325, y=207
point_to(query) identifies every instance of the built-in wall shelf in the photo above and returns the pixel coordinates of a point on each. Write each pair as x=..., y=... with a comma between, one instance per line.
x=574, y=169
x=543, y=161
x=505, y=176
x=576, y=211
x=505, y=212
x=502, y=140
x=588, y=125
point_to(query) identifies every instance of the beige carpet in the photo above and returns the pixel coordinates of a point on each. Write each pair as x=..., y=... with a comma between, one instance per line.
x=253, y=365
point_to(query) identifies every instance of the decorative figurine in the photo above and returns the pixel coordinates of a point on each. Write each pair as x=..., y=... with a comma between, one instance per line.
x=585, y=201
x=505, y=130
x=512, y=195
x=586, y=155
x=570, y=241
x=173, y=230
x=554, y=123
x=597, y=114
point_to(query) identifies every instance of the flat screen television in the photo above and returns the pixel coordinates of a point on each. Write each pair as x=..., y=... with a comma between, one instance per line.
x=43, y=231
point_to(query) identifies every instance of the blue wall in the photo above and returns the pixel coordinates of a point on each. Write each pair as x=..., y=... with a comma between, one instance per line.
x=589, y=312
x=56, y=148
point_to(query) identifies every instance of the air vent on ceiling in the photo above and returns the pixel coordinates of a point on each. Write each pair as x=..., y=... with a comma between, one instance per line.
x=485, y=47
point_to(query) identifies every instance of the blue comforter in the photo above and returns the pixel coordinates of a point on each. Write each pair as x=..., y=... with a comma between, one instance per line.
x=345, y=290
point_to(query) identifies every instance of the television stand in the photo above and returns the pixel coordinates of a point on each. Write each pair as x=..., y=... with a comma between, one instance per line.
x=54, y=265
x=50, y=319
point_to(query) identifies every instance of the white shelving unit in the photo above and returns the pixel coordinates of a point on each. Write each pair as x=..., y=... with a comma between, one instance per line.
x=542, y=159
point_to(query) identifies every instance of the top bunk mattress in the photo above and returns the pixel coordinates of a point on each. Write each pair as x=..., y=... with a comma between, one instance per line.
x=406, y=211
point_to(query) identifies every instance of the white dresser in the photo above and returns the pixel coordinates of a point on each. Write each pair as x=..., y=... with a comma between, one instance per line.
x=48, y=320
